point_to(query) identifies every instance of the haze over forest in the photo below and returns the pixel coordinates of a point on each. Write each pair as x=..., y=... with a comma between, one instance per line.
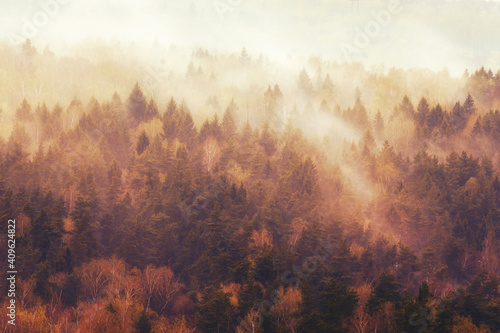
x=251, y=166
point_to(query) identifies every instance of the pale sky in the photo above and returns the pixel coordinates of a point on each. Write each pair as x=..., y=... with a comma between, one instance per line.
x=426, y=34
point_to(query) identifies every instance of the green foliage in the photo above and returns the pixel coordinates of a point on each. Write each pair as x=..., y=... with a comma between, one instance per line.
x=386, y=290
x=326, y=305
x=143, y=324
x=214, y=311
x=71, y=290
x=84, y=244
x=137, y=104
x=142, y=143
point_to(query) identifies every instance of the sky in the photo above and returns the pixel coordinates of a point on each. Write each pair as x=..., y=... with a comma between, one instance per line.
x=437, y=34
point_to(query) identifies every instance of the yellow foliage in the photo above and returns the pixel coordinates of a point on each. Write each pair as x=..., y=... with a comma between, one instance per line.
x=465, y=325
x=233, y=289
x=261, y=238
x=33, y=319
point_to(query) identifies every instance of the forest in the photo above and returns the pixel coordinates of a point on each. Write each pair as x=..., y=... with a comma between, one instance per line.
x=224, y=192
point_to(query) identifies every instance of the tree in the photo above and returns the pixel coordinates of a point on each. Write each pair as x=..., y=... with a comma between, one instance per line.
x=228, y=124
x=151, y=110
x=386, y=290
x=46, y=236
x=304, y=82
x=214, y=311
x=23, y=112
x=250, y=294
x=42, y=285
x=264, y=267
x=469, y=108
x=481, y=300
x=458, y=116
x=171, y=120
x=328, y=85
x=211, y=154
x=142, y=143
x=379, y=125
x=339, y=303
x=115, y=183
x=422, y=111
x=71, y=290
x=244, y=57
x=268, y=140
x=326, y=304
x=143, y=324
x=406, y=108
x=137, y=104
x=160, y=287
x=84, y=244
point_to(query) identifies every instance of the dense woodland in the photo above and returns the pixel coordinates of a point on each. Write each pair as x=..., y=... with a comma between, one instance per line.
x=139, y=213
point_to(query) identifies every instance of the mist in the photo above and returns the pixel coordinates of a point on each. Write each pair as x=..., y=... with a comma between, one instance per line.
x=250, y=166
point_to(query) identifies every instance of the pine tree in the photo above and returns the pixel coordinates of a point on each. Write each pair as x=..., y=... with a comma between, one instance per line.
x=23, y=112
x=137, y=104
x=264, y=267
x=304, y=82
x=214, y=311
x=151, y=110
x=45, y=236
x=406, y=108
x=143, y=325
x=71, y=290
x=171, y=120
x=386, y=290
x=42, y=287
x=228, y=125
x=422, y=111
x=339, y=303
x=115, y=183
x=469, y=107
x=142, y=143
x=378, y=125
x=84, y=245
x=250, y=293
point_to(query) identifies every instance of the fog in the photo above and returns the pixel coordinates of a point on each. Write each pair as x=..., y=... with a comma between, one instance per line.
x=426, y=34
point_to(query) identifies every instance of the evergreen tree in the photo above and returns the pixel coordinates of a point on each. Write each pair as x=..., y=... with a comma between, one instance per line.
x=23, y=112
x=469, y=107
x=142, y=143
x=143, y=325
x=151, y=110
x=137, y=104
x=71, y=290
x=386, y=290
x=84, y=245
x=171, y=120
x=45, y=236
x=42, y=285
x=214, y=311
x=228, y=124
x=115, y=183
x=379, y=125
x=304, y=82
x=422, y=111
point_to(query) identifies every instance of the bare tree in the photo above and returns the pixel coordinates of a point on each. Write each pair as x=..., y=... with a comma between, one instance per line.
x=211, y=153
x=252, y=321
x=94, y=278
x=38, y=90
x=151, y=279
x=167, y=287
